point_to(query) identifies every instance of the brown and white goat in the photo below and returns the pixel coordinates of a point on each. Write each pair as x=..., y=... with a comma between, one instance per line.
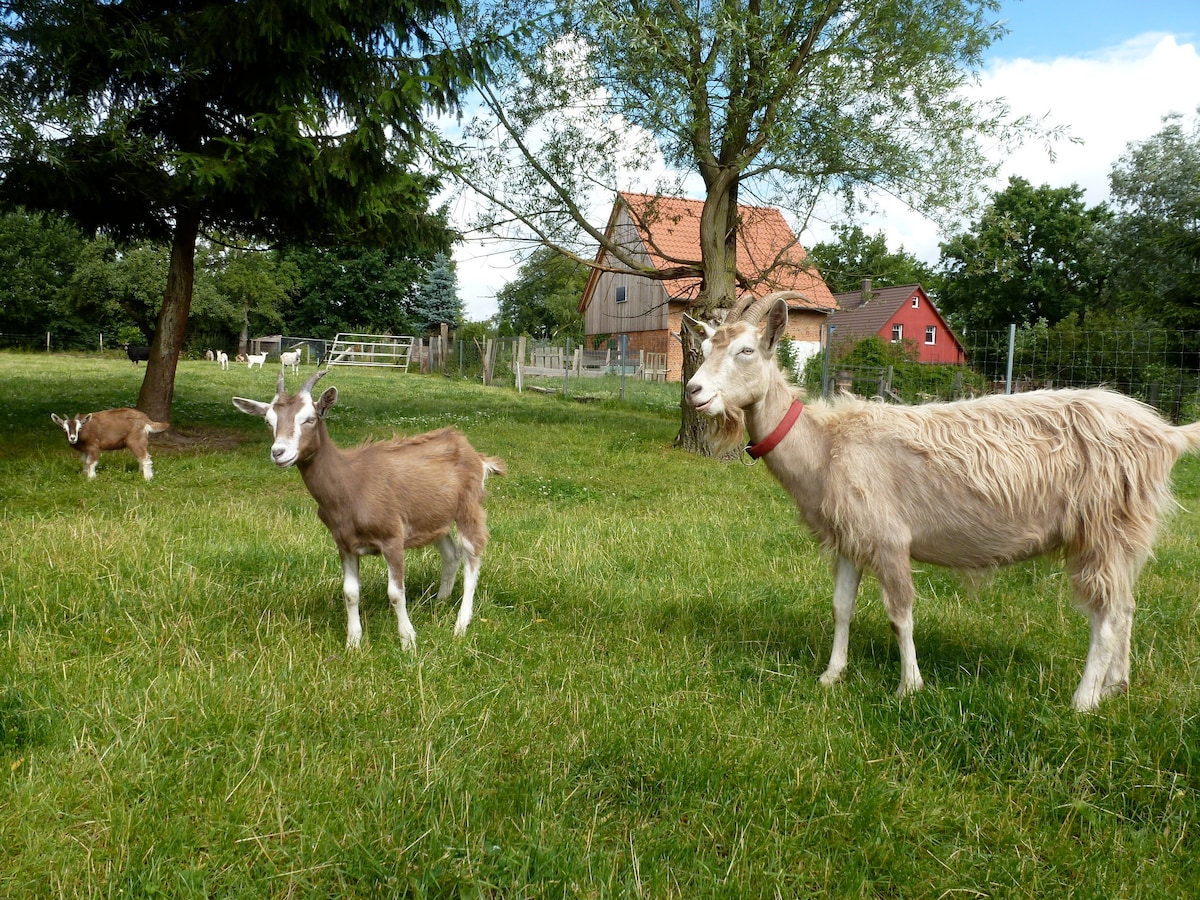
x=968, y=485
x=385, y=497
x=111, y=429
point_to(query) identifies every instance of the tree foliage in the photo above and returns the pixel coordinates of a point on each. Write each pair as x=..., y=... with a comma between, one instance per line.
x=437, y=302
x=1154, y=241
x=362, y=290
x=1033, y=255
x=543, y=300
x=854, y=256
x=280, y=120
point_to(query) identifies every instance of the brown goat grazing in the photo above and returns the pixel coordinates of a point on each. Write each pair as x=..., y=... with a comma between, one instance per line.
x=111, y=429
x=969, y=485
x=385, y=497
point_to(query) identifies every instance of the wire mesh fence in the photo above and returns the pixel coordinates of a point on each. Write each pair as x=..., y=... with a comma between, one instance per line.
x=1159, y=367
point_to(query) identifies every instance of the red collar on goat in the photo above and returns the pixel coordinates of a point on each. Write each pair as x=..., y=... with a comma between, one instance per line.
x=767, y=444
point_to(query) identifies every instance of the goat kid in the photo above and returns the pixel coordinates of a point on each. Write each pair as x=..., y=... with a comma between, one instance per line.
x=111, y=429
x=969, y=485
x=223, y=359
x=385, y=497
x=255, y=359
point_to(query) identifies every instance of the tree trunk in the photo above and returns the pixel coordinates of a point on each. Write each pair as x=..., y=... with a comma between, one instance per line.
x=244, y=334
x=693, y=427
x=158, y=387
x=718, y=254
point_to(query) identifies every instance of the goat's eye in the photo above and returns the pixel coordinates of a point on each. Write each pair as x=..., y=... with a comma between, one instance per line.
x=746, y=351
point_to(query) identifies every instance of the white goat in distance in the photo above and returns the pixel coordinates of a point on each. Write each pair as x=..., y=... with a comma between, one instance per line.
x=290, y=359
x=385, y=497
x=111, y=429
x=255, y=359
x=968, y=485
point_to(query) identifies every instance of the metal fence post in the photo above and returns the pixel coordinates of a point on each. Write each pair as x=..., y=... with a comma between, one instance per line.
x=1012, y=343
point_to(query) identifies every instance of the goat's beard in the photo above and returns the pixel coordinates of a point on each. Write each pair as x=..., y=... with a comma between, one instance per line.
x=726, y=432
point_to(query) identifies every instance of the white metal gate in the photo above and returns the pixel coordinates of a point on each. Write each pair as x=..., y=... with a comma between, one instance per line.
x=372, y=350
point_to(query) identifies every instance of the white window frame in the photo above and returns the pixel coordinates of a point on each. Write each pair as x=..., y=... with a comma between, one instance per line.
x=930, y=334
x=897, y=333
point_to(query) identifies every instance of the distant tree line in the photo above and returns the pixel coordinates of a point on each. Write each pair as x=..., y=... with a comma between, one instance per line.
x=58, y=278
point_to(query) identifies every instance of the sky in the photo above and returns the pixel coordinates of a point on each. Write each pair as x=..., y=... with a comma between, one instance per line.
x=1108, y=71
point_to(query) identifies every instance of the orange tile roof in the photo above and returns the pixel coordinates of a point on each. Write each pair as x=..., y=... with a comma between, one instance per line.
x=768, y=254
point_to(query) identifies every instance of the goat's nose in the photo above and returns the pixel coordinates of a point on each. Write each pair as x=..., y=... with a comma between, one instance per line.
x=277, y=450
x=693, y=388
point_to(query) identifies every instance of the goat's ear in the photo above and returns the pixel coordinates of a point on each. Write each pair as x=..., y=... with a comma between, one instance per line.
x=57, y=421
x=326, y=400
x=701, y=330
x=777, y=318
x=251, y=407
x=83, y=420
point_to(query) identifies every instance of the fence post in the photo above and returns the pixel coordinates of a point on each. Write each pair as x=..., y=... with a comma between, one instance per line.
x=489, y=358
x=829, y=329
x=1012, y=343
x=623, y=350
x=567, y=370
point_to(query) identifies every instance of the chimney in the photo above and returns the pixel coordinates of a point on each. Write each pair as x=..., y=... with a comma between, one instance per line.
x=866, y=290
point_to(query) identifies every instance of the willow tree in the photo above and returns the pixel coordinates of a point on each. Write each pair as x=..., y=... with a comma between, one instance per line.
x=798, y=104
x=288, y=121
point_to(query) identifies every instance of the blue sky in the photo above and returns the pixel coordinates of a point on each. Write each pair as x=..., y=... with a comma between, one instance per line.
x=1044, y=29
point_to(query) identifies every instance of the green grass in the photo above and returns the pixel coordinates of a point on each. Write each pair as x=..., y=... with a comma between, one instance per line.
x=634, y=712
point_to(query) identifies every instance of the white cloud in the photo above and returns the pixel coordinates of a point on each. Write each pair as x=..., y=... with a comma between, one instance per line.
x=1106, y=100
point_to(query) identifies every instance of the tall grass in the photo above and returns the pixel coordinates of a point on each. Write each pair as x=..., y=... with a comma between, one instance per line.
x=634, y=711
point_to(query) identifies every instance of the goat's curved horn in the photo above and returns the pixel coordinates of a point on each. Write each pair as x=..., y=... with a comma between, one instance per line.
x=280, y=389
x=754, y=310
x=316, y=376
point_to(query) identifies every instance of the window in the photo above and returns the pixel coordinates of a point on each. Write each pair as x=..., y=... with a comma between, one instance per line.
x=897, y=333
x=931, y=334
x=621, y=294
x=916, y=302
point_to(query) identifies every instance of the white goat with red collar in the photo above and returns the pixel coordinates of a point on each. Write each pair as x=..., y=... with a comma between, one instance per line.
x=967, y=485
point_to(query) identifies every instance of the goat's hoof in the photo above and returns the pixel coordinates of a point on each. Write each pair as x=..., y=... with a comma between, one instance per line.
x=408, y=642
x=829, y=679
x=909, y=687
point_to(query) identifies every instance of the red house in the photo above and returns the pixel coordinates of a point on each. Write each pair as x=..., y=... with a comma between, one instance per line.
x=902, y=314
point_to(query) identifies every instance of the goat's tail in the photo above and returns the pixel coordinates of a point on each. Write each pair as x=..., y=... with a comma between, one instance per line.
x=157, y=427
x=1191, y=436
x=494, y=465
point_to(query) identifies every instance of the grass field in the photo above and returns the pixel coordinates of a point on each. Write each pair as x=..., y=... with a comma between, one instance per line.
x=634, y=712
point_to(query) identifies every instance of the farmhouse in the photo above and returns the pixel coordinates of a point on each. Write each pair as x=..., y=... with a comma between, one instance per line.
x=902, y=314
x=664, y=232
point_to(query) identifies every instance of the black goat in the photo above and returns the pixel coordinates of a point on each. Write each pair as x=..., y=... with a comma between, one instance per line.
x=136, y=354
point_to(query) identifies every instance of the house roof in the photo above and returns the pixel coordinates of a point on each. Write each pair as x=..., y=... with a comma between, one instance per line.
x=768, y=254
x=859, y=316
